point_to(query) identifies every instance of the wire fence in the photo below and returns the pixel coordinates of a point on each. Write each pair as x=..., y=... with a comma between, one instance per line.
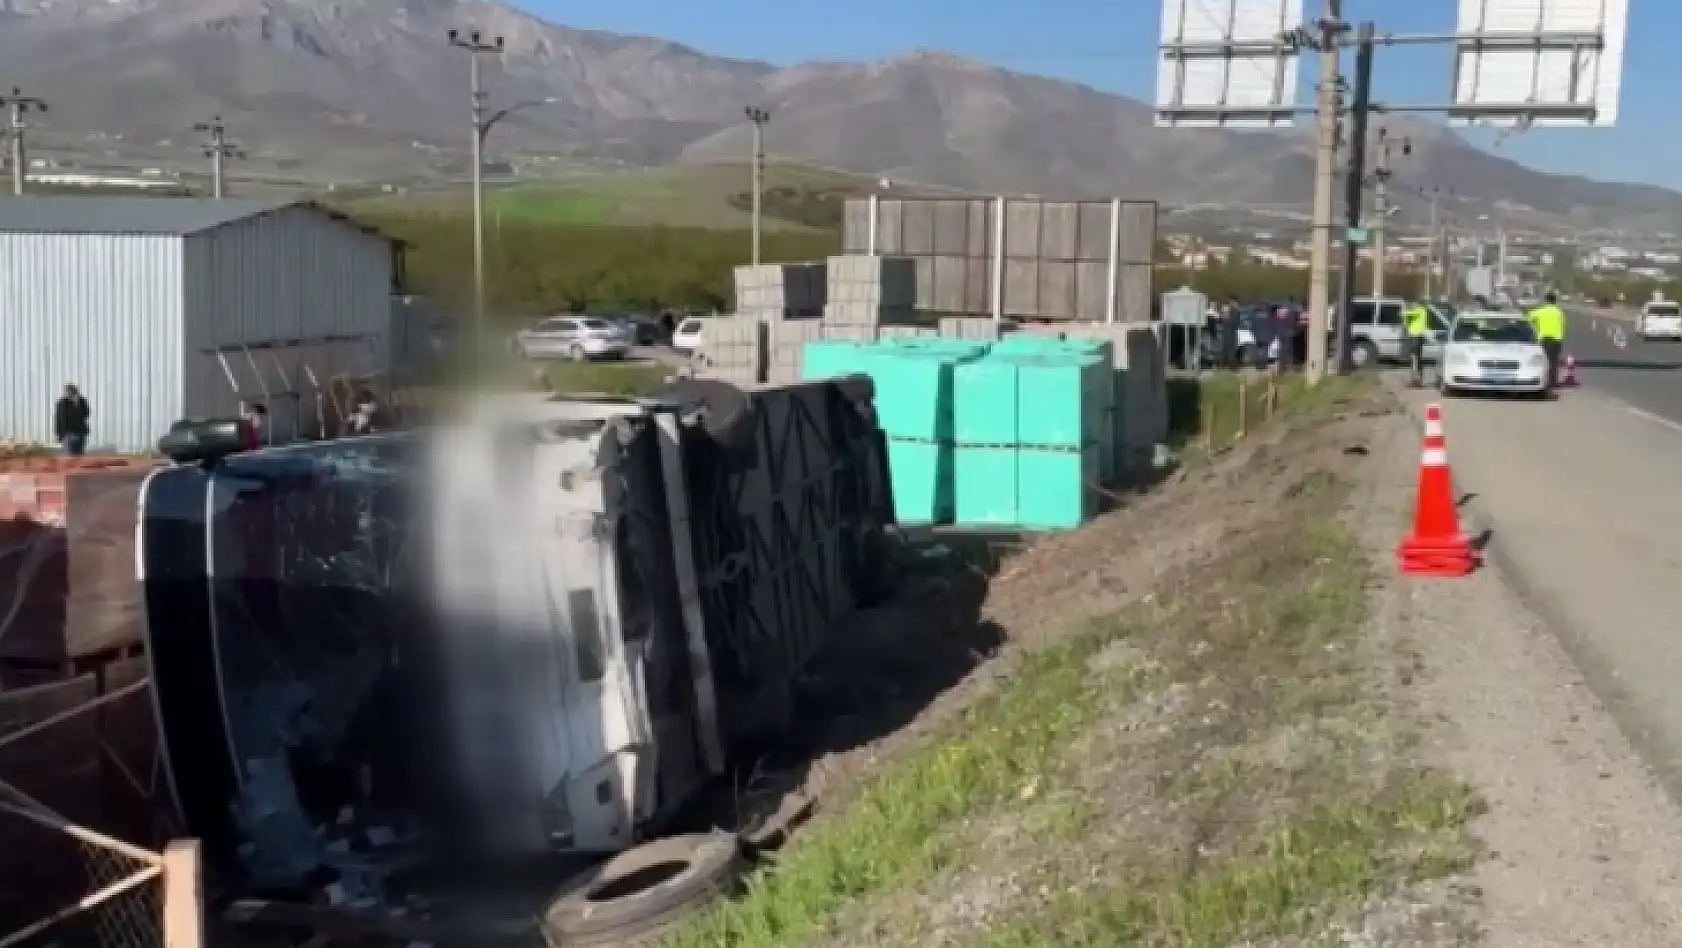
x=79, y=776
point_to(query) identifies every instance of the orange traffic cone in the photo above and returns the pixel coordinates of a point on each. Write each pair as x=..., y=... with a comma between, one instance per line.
x=1435, y=547
x=1568, y=371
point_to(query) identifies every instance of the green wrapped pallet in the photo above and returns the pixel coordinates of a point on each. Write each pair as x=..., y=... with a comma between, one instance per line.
x=985, y=401
x=1057, y=490
x=921, y=472
x=985, y=487
x=1059, y=401
x=832, y=358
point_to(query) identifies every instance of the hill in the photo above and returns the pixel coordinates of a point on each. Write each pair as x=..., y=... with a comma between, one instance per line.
x=372, y=89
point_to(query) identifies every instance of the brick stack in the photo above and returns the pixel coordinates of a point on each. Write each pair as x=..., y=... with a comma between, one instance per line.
x=771, y=292
x=67, y=530
x=866, y=290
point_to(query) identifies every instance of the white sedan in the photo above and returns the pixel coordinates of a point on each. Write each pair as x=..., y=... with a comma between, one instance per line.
x=1493, y=352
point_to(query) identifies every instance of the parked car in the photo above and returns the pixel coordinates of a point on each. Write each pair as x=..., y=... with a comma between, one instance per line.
x=1376, y=333
x=574, y=337
x=1493, y=352
x=688, y=338
x=645, y=330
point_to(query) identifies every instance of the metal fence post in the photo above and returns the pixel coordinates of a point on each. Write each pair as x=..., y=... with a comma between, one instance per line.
x=183, y=895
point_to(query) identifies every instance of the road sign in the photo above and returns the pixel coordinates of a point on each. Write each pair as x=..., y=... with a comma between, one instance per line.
x=1539, y=62
x=1184, y=307
x=1357, y=236
x=1227, y=63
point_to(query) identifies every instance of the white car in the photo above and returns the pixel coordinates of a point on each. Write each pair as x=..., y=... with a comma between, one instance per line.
x=1492, y=352
x=687, y=337
x=1660, y=319
x=574, y=337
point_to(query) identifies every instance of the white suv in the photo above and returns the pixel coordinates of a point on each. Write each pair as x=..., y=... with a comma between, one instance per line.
x=1377, y=334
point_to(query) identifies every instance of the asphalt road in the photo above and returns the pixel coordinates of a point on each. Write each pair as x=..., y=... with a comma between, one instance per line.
x=1583, y=499
x=1647, y=375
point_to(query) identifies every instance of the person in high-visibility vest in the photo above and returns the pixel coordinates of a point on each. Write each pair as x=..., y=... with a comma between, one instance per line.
x=1416, y=321
x=1549, y=322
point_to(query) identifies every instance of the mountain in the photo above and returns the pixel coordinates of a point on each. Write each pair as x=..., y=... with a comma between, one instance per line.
x=373, y=82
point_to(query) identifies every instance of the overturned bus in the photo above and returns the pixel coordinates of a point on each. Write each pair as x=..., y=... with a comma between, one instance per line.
x=538, y=629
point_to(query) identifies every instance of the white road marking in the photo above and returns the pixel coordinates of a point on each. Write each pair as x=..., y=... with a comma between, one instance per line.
x=1644, y=414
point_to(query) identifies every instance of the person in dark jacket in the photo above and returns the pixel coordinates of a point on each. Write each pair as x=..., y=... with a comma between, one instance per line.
x=70, y=421
x=1228, y=330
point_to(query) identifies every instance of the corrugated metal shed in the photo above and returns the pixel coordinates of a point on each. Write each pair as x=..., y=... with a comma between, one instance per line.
x=124, y=215
x=141, y=301
x=101, y=311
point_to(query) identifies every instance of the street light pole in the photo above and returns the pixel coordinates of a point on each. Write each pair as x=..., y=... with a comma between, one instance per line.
x=758, y=117
x=17, y=106
x=476, y=45
x=218, y=149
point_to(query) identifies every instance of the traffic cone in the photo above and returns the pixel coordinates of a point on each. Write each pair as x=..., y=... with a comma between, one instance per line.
x=1568, y=371
x=1435, y=547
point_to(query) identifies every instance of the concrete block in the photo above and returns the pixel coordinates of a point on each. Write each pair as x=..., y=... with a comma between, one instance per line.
x=979, y=328
x=854, y=332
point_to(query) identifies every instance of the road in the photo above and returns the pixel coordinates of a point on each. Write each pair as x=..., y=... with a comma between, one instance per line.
x=1583, y=497
x=1647, y=375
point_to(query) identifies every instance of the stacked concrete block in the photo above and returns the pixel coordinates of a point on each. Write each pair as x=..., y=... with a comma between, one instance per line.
x=775, y=291
x=1080, y=260
x=870, y=290
x=786, y=349
x=733, y=350
x=905, y=332
x=978, y=328
x=853, y=332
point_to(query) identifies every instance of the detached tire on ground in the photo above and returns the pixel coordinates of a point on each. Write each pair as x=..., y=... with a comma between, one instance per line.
x=644, y=891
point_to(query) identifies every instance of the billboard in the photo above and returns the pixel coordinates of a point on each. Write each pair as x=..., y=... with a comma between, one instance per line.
x=1539, y=62
x=1226, y=63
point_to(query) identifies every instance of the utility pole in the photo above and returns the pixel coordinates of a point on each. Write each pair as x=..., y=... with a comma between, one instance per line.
x=1324, y=39
x=758, y=117
x=17, y=106
x=1381, y=204
x=219, y=150
x=477, y=45
x=1354, y=187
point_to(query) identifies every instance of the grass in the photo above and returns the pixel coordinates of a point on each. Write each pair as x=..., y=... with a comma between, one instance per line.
x=702, y=195
x=607, y=378
x=1265, y=634
x=1214, y=411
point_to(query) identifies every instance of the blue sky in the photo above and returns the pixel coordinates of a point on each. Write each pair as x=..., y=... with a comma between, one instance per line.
x=1110, y=44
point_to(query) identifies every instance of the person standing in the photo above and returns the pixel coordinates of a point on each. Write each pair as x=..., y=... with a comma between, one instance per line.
x=70, y=421
x=1549, y=322
x=1416, y=320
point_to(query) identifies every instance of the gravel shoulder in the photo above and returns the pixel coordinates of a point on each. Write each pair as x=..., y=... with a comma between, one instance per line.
x=1583, y=845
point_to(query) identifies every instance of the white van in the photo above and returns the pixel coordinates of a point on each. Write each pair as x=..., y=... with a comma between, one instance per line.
x=1660, y=319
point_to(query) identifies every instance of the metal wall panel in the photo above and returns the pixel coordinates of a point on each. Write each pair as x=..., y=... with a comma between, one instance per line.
x=103, y=312
x=276, y=283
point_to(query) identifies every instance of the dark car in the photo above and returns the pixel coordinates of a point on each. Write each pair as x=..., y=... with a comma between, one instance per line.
x=644, y=330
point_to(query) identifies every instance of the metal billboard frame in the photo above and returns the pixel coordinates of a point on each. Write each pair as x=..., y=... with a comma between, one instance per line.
x=1549, y=63
x=1239, y=61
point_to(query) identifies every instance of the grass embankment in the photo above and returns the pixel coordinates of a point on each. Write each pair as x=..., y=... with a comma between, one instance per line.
x=608, y=378
x=1205, y=767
